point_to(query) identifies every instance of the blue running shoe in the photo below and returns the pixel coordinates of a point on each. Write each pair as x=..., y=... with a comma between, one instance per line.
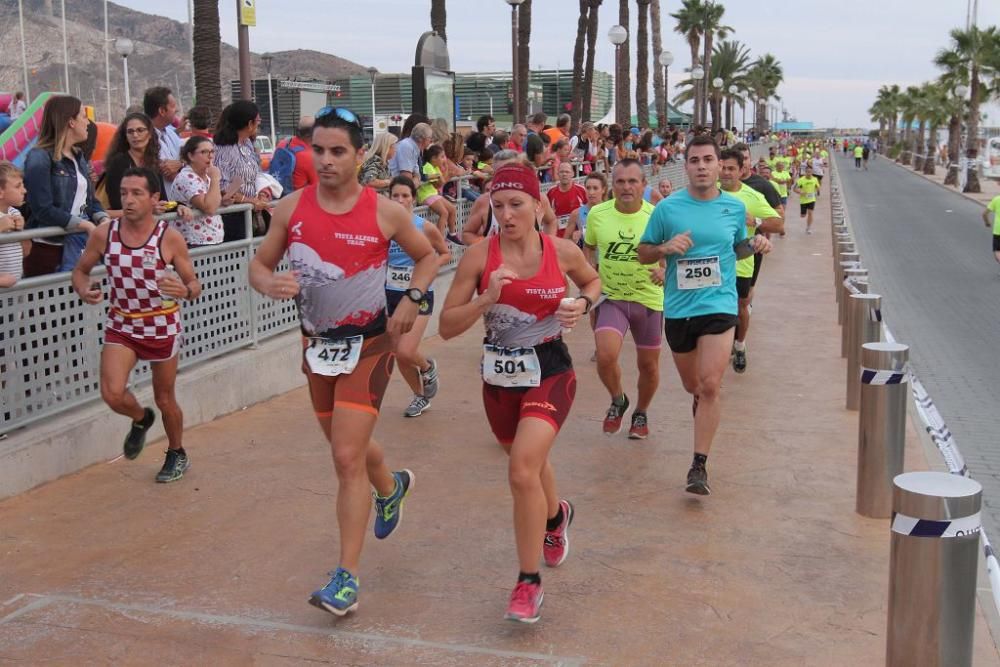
x=389, y=511
x=339, y=596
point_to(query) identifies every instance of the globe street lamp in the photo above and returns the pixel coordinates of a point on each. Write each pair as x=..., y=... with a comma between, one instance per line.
x=617, y=35
x=268, y=59
x=124, y=48
x=513, y=47
x=732, y=110
x=697, y=74
x=666, y=60
x=717, y=84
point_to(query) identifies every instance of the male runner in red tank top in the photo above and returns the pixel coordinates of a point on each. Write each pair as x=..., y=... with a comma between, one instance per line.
x=336, y=235
x=144, y=319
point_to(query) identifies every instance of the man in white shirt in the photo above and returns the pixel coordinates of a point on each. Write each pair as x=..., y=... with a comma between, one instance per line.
x=160, y=105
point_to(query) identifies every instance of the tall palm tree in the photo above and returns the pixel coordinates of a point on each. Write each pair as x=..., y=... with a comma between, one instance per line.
x=439, y=18
x=658, y=91
x=689, y=23
x=523, y=56
x=578, y=48
x=975, y=50
x=763, y=79
x=939, y=101
x=954, y=74
x=623, y=97
x=908, y=111
x=878, y=113
x=710, y=28
x=730, y=61
x=885, y=111
x=642, y=65
x=207, y=57
x=919, y=115
x=588, y=71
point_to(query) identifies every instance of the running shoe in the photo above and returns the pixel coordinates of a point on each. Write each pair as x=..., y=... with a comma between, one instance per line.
x=136, y=438
x=339, y=596
x=454, y=238
x=525, y=603
x=429, y=380
x=556, y=546
x=640, y=428
x=417, y=406
x=389, y=511
x=174, y=467
x=740, y=360
x=697, y=481
x=613, y=419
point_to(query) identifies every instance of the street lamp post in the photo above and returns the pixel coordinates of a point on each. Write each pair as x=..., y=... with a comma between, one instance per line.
x=24, y=52
x=732, y=110
x=124, y=47
x=697, y=74
x=617, y=36
x=268, y=59
x=372, y=74
x=961, y=91
x=717, y=83
x=107, y=59
x=65, y=48
x=666, y=60
x=513, y=57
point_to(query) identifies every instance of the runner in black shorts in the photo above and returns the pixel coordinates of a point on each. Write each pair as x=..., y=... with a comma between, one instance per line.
x=516, y=282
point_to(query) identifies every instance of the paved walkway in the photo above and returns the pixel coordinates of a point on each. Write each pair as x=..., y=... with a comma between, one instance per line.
x=775, y=568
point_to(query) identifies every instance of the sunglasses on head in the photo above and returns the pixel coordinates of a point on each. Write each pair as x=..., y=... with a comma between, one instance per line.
x=342, y=113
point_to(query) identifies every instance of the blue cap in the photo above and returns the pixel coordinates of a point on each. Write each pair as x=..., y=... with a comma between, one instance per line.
x=635, y=130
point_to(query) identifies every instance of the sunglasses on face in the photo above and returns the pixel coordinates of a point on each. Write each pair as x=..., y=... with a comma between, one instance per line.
x=134, y=131
x=342, y=113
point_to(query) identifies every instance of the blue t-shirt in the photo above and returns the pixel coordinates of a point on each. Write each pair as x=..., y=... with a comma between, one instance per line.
x=647, y=194
x=715, y=226
x=407, y=158
x=399, y=259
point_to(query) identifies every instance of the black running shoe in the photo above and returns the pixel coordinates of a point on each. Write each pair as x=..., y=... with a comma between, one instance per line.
x=740, y=360
x=698, y=480
x=174, y=467
x=136, y=438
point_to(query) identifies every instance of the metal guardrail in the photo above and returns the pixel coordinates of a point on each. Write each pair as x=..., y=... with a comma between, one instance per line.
x=50, y=341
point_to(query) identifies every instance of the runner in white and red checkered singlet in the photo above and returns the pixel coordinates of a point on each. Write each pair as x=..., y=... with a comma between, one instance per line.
x=149, y=272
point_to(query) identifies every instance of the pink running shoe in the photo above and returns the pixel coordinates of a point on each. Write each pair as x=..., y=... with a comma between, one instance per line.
x=525, y=603
x=556, y=546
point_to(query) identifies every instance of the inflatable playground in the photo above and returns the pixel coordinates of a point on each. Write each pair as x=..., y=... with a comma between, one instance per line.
x=19, y=136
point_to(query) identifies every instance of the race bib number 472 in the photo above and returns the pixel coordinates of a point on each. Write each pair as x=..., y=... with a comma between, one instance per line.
x=698, y=273
x=334, y=357
x=511, y=367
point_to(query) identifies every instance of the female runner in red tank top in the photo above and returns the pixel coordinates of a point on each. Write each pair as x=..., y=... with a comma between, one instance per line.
x=516, y=281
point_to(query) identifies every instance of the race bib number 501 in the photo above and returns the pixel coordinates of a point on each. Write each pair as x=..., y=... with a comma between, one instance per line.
x=511, y=367
x=698, y=273
x=334, y=357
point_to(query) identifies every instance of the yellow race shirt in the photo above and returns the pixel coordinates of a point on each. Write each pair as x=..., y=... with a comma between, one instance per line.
x=781, y=179
x=995, y=207
x=757, y=207
x=616, y=237
x=859, y=151
x=808, y=187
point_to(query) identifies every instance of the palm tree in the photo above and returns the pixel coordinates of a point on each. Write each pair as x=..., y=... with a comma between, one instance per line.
x=658, y=92
x=977, y=51
x=588, y=71
x=710, y=28
x=939, y=102
x=763, y=79
x=920, y=115
x=439, y=18
x=729, y=63
x=623, y=97
x=642, y=66
x=885, y=111
x=523, y=56
x=878, y=114
x=207, y=57
x=581, y=36
x=908, y=111
x=954, y=75
x=689, y=23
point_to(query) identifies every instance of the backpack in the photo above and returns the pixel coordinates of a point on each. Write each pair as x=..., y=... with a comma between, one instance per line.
x=283, y=165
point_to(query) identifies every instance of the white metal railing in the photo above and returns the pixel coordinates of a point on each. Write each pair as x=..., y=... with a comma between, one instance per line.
x=50, y=341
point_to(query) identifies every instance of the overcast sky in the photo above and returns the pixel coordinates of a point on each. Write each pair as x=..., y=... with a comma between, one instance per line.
x=835, y=54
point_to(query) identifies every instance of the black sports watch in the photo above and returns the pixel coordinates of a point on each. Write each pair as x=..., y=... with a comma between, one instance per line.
x=414, y=295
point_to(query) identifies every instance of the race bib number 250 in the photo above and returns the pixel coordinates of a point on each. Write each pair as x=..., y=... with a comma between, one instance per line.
x=698, y=273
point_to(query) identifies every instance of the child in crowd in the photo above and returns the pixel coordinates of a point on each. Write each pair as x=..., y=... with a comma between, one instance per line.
x=11, y=195
x=429, y=192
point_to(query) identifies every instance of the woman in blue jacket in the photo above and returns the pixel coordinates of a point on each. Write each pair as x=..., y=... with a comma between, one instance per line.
x=60, y=190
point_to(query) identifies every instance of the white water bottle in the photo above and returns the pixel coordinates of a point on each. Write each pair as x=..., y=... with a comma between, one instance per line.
x=568, y=301
x=167, y=301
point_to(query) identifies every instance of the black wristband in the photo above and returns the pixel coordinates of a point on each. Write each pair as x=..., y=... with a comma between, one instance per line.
x=590, y=304
x=187, y=297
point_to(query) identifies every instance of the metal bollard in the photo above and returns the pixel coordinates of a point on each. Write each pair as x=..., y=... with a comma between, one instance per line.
x=864, y=325
x=850, y=260
x=881, y=425
x=857, y=273
x=933, y=563
x=860, y=284
x=841, y=248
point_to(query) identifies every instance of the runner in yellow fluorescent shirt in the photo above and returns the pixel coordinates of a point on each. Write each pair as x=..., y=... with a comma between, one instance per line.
x=807, y=188
x=762, y=218
x=859, y=153
x=994, y=208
